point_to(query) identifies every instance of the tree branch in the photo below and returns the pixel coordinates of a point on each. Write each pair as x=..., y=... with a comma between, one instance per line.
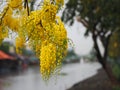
x=26, y=6
x=3, y=15
x=83, y=21
x=106, y=45
x=99, y=56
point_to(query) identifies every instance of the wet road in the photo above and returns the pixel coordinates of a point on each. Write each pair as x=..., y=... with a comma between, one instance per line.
x=30, y=79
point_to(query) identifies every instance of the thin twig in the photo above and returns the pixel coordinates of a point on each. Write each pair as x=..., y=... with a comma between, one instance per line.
x=3, y=15
x=26, y=6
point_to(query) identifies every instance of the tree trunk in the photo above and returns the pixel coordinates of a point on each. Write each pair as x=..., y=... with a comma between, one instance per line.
x=110, y=75
x=103, y=61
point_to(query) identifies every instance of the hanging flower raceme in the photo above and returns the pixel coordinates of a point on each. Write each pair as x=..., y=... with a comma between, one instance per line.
x=3, y=33
x=48, y=60
x=44, y=32
x=20, y=44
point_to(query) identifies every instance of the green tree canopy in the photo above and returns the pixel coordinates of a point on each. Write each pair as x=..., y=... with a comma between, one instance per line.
x=114, y=47
x=101, y=18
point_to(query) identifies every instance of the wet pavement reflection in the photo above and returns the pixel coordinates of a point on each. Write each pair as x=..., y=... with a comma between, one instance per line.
x=30, y=78
x=26, y=80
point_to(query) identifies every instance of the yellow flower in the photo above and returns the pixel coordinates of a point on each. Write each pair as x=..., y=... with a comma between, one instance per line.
x=42, y=30
x=60, y=2
x=48, y=60
x=15, y=4
x=20, y=43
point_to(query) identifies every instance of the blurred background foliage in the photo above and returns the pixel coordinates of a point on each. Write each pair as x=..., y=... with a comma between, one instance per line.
x=102, y=20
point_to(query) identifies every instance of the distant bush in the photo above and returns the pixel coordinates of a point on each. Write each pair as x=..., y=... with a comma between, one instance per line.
x=116, y=71
x=116, y=88
x=115, y=65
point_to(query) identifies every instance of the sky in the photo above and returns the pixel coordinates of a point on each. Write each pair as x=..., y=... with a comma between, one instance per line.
x=82, y=44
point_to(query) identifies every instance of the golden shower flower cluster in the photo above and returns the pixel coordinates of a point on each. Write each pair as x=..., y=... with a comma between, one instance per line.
x=20, y=43
x=48, y=60
x=42, y=30
x=48, y=37
x=11, y=20
x=15, y=4
x=3, y=33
